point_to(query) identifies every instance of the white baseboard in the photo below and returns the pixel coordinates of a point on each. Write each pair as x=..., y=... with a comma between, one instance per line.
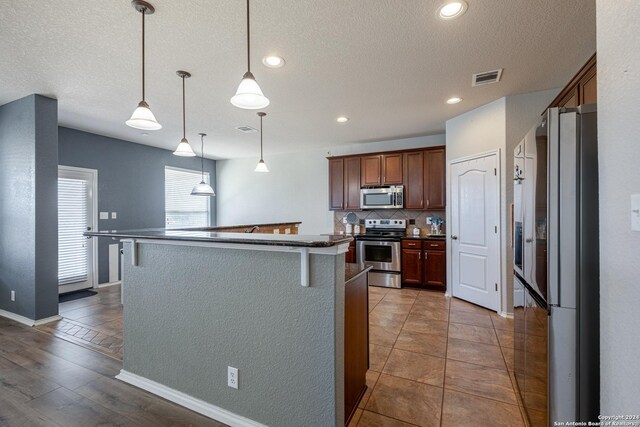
x=505, y=314
x=182, y=399
x=106, y=285
x=26, y=321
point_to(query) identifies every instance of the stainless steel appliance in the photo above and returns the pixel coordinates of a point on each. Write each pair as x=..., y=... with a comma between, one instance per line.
x=556, y=267
x=380, y=248
x=385, y=197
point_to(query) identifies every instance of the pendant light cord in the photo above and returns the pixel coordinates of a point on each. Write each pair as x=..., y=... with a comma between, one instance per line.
x=184, y=120
x=143, y=11
x=261, y=159
x=248, y=41
x=202, y=149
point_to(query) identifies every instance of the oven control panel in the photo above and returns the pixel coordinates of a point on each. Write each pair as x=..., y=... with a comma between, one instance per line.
x=385, y=223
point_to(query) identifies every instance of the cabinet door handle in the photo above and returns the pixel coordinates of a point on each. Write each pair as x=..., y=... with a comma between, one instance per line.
x=411, y=244
x=434, y=245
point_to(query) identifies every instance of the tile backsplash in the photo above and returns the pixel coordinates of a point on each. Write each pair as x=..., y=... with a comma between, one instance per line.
x=419, y=218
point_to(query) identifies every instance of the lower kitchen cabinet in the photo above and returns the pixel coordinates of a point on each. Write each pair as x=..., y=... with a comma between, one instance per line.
x=350, y=256
x=424, y=263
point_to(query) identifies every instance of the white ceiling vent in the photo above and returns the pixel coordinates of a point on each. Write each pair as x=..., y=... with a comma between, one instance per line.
x=246, y=129
x=486, y=77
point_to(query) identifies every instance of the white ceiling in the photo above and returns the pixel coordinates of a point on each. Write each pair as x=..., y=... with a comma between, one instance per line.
x=389, y=65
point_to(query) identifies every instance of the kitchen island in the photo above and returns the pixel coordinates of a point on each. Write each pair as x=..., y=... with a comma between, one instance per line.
x=272, y=306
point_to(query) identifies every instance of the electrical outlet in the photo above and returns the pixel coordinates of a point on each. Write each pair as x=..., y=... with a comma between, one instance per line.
x=114, y=215
x=13, y=295
x=276, y=231
x=344, y=219
x=428, y=220
x=232, y=377
x=104, y=215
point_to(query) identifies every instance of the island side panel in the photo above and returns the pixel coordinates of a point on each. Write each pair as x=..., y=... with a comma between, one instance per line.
x=190, y=312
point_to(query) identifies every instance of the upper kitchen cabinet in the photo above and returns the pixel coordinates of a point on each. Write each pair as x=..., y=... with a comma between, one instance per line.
x=336, y=184
x=392, y=169
x=414, y=180
x=434, y=179
x=371, y=170
x=352, y=183
x=582, y=89
x=421, y=171
x=382, y=169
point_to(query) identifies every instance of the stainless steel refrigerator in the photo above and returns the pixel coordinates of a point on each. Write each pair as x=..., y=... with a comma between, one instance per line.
x=556, y=267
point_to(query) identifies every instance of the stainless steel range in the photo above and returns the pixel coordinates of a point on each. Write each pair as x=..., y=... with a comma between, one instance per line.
x=380, y=247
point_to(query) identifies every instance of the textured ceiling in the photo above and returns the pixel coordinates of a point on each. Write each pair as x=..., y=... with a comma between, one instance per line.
x=389, y=65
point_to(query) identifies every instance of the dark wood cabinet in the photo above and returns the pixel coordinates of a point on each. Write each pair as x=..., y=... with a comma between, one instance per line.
x=582, y=89
x=435, y=179
x=414, y=180
x=392, y=169
x=336, y=184
x=356, y=342
x=424, y=263
x=412, y=266
x=421, y=171
x=352, y=183
x=435, y=268
x=371, y=170
x=350, y=256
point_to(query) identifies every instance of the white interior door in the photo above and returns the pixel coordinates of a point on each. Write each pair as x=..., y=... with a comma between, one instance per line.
x=76, y=214
x=474, y=230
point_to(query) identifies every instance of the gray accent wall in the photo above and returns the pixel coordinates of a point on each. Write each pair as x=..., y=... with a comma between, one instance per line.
x=190, y=312
x=130, y=181
x=29, y=207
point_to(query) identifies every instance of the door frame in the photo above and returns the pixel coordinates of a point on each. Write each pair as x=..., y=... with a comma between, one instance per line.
x=94, y=201
x=499, y=217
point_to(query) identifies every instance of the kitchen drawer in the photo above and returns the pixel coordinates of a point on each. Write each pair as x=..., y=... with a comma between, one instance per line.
x=434, y=245
x=411, y=244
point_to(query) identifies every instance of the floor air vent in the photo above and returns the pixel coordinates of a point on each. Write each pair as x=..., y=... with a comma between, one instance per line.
x=486, y=78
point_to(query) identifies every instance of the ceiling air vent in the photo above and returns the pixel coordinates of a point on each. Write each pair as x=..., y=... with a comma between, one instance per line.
x=246, y=129
x=486, y=78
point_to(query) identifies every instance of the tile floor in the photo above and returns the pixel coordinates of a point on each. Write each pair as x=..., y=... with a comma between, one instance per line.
x=437, y=361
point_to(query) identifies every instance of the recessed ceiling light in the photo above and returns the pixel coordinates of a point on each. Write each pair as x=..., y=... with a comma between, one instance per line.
x=454, y=100
x=452, y=9
x=342, y=119
x=273, y=61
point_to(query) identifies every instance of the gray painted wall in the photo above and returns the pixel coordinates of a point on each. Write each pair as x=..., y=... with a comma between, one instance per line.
x=619, y=173
x=29, y=206
x=130, y=181
x=214, y=308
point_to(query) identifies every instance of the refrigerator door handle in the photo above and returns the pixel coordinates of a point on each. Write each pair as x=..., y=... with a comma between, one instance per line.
x=553, y=211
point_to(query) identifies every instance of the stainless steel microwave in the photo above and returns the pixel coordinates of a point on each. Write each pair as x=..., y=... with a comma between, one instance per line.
x=386, y=197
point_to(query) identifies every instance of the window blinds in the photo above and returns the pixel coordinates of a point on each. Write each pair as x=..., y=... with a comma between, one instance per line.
x=72, y=222
x=181, y=208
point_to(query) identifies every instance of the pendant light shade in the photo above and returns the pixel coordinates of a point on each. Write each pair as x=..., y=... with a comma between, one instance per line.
x=142, y=117
x=184, y=148
x=202, y=189
x=249, y=96
x=262, y=166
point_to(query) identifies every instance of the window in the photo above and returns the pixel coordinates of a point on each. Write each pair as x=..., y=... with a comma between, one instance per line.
x=181, y=208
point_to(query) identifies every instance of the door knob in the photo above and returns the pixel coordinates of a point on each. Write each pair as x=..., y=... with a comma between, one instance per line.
x=454, y=237
x=529, y=240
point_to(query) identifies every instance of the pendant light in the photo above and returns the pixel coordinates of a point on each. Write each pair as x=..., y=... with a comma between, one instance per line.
x=184, y=149
x=249, y=96
x=262, y=166
x=142, y=117
x=202, y=189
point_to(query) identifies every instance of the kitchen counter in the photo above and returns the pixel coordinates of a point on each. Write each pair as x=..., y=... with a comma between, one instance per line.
x=199, y=235
x=290, y=227
x=427, y=237
x=353, y=271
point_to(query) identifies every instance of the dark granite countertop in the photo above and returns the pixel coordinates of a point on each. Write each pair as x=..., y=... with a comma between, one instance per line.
x=239, y=238
x=351, y=271
x=427, y=237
